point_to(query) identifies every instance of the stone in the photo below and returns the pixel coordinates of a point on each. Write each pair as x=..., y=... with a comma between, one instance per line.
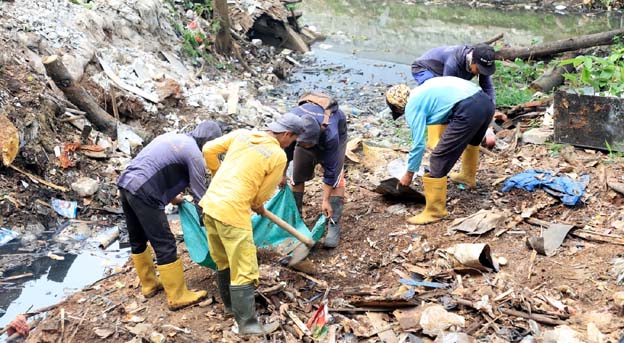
x=537, y=135
x=85, y=186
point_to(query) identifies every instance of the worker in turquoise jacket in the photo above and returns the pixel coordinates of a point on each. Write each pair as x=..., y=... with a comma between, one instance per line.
x=468, y=112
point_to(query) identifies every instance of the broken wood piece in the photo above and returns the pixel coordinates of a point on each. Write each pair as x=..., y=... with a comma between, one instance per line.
x=536, y=317
x=9, y=140
x=321, y=283
x=38, y=179
x=299, y=323
x=16, y=277
x=121, y=84
x=494, y=39
x=553, y=79
x=382, y=328
x=598, y=237
x=79, y=96
x=71, y=337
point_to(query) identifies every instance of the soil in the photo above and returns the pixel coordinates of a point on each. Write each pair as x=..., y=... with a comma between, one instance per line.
x=377, y=247
x=375, y=243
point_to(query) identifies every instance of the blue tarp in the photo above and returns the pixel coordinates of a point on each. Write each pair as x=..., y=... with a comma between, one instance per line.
x=266, y=234
x=562, y=187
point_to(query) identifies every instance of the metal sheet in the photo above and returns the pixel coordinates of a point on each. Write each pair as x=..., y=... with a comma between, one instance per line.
x=589, y=121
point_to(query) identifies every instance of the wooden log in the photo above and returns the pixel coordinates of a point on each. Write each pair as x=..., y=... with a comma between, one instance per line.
x=77, y=95
x=9, y=140
x=551, y=48
x=554, y=79
x=494, y=39
x=224, y=38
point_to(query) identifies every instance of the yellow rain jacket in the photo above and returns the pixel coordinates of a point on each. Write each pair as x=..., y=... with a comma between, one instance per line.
x=247, y=177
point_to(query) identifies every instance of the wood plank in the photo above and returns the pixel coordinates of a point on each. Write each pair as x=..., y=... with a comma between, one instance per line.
x=384, y=331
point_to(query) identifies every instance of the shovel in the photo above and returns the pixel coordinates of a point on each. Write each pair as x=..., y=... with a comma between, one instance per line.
x=300, y=251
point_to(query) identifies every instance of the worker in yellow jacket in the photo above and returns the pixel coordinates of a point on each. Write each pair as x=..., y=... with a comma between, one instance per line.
x=253, y=167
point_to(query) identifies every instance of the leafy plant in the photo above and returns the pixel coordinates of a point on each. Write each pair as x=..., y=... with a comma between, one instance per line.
x=511, y=79
x=613, y=155
x=554, y=148
x=603, y=74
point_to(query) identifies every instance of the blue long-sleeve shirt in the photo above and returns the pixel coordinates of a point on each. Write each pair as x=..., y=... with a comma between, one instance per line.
x=167, y=165
x=451, y=61
x=331, y=142
x=432, y=103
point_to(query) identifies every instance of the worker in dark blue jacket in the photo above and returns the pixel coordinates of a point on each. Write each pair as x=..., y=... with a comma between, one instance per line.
x=155, y=177
x=324, y=142
x=465, y=62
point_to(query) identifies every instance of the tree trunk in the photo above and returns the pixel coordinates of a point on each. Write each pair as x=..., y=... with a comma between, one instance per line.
x=224, y=38
x=551, y=48
x=554, y=79
x=77, y=95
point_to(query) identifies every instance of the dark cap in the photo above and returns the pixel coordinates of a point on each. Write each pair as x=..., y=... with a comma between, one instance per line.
x=483, y=55
x=288, y=122
x=312, y=130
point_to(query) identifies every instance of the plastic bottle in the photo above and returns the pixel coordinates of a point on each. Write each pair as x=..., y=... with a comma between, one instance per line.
x=350, y=110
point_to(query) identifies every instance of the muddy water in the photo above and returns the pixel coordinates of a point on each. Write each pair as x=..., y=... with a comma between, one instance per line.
x=393, y=31
x=54, y=279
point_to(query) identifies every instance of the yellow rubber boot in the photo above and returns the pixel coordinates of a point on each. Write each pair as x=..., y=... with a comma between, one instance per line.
x=434, y=133
x=144, y=265
x=435, y=195
x=178, y=296
x=468, y=171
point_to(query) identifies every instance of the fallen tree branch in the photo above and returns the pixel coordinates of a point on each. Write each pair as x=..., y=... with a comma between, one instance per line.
x=38, y=179
x=494, y=39
x=554, y=78
x=616, y=186
x=551, y=48
x=77, y=95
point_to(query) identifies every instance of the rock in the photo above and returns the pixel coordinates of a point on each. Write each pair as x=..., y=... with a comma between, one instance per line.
x=561, y=334
x=537, y=135
x=85, y=186
x=435, y=320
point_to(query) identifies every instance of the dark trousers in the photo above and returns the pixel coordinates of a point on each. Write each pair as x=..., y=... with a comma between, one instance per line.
x=468, y=122
x=145, y=224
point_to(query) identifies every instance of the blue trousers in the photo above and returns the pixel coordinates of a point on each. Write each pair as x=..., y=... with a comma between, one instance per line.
x=468, y=122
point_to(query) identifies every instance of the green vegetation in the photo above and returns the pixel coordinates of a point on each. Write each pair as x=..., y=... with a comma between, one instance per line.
x=554, y=148
x=511, y=79
x=614, y=156
x=603, y=74
x=195, y=42
x=86, y=4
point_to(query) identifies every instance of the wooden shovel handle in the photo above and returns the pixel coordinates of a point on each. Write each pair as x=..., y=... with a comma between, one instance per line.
x=288, y=228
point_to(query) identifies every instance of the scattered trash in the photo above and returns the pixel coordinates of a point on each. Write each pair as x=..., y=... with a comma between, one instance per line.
x=127, y=139
x=392, y=190
x=476, y=256
x=7, y=235
x=478, y=223
x=318, y=323
x=85, y=186
x=562, y=187
x=435, y=320
x=108, y=237
x=67, y=209
x=454, y=337
x=551, y=239
x=104, y=333
x=560, y=334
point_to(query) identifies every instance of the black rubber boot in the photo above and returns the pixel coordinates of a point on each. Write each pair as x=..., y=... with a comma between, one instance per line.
x=244, y=308
x=223, y=281
x=298, y=200
x=333, y=228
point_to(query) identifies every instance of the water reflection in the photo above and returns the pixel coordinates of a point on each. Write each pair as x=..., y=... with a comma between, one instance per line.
x=398, y=32
x=52, y=280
